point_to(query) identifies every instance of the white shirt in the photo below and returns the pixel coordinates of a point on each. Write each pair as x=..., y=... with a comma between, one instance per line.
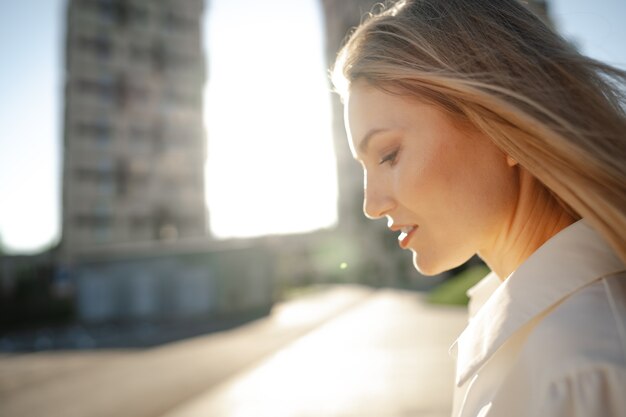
x=551, y=339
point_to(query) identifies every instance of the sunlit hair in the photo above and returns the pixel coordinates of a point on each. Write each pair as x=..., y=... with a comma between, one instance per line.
x=559, y=114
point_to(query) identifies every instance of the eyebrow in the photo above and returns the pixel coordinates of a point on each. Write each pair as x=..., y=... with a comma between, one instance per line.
x=368, y=137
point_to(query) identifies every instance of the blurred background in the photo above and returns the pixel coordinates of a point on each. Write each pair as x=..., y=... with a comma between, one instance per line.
x=181, y=230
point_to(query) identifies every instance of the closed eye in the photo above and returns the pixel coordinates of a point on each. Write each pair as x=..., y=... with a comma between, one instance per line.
x=391, y=157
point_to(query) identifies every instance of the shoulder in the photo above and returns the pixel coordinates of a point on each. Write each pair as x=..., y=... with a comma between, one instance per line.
x=574, y=358
x=587, y=330
x=587, y=392
x=590, y=392
x=573, y=361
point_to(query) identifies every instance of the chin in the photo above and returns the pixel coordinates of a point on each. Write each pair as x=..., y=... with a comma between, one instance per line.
x=428, y=266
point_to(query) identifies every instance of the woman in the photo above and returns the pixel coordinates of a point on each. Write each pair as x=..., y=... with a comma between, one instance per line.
x=481, y=131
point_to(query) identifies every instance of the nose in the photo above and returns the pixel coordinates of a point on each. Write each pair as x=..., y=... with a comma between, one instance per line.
x=377, y=199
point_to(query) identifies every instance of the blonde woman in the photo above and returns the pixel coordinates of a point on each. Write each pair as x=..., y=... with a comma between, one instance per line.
x=481, y=131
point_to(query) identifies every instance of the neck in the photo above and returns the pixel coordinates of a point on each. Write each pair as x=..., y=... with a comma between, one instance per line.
x=536, y=218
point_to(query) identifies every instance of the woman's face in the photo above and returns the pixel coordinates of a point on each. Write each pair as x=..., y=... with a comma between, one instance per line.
x=446, y=189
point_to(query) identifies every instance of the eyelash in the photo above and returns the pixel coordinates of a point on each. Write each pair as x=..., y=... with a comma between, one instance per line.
x=391, y=157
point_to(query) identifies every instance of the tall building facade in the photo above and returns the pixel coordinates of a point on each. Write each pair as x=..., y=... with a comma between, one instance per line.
x=134, y=142
x=381, y=262
x=340, y=16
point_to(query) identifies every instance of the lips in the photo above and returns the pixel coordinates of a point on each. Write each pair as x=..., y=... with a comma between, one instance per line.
x=405, y=235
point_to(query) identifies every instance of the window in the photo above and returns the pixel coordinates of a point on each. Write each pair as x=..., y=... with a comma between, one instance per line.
x=99, y=46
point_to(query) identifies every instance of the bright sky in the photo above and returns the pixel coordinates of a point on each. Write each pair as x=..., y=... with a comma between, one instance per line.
x=265, y=60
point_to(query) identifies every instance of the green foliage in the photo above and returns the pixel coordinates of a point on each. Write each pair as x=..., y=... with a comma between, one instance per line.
x=453, y=291
x=293, y=293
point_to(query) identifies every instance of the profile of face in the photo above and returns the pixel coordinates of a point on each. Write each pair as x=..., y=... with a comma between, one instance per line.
x=444, y=187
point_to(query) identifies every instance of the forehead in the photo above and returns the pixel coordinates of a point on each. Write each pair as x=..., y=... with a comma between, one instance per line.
x=368, y=108
x=364, y=99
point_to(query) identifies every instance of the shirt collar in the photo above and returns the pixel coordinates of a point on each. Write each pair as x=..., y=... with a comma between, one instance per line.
x=572, y=259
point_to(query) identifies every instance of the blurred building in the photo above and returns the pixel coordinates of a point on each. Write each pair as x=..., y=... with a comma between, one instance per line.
x=134, y=243
x=189, y=279
x=134, y=140
x=380, y=261
x=340, y=16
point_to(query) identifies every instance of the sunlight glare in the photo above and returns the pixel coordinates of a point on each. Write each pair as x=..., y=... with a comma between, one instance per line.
x=270, y=165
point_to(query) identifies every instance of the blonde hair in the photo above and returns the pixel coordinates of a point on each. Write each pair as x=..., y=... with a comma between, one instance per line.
x=559, y=114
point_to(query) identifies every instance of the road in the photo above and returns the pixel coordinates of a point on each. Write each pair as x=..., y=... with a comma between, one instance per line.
x=347, y=351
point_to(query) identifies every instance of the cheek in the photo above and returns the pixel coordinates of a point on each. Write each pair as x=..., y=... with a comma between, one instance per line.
x=426, y=181
x=473, y=179
x=459, y=196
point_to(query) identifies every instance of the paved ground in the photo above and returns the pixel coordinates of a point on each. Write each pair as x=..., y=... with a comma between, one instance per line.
x=349, y=351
